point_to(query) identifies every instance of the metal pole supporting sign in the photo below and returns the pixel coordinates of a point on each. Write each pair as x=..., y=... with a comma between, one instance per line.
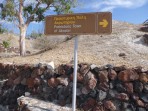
x=75, y=73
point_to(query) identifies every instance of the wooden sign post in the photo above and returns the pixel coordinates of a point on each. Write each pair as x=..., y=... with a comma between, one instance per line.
x=78, y=24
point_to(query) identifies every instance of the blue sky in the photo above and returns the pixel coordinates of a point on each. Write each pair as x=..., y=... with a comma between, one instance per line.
x=132, y=11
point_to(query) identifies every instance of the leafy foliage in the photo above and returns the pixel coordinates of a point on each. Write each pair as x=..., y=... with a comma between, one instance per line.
x=8, y=11
x=6, y=44
x=34, y=11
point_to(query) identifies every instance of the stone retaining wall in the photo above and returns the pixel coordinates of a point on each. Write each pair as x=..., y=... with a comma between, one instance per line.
x=104, y=88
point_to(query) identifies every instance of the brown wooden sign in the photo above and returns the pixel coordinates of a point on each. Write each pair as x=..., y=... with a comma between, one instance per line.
x=88, y=23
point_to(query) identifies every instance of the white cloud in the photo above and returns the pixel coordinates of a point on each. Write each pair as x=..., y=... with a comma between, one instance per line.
x=110, y=8
x=109, y=5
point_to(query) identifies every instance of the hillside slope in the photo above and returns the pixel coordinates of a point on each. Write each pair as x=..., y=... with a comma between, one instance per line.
x=124, y=46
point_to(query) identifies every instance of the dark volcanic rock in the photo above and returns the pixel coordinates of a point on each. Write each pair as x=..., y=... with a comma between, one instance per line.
x=119, y=69
x=101, y=95
x=112, y=93
x=143, y=78
x=103, y=76
x=145, y=88
x=140, y=109
x=109, y=105
x=140, y=103
x=99, y=107
x=84, y=68
x=144, y=97
x=106, y=88
x=122, y=96
x=138, y=87
x=112, y=74
x=120, y=88
x=128, y=75
x=103, y=86
x=129, y=87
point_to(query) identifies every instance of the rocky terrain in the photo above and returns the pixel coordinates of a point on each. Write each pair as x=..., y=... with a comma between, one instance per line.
x=104, y=88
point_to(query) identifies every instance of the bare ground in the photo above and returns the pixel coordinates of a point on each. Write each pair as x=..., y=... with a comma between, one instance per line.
x=97, y=49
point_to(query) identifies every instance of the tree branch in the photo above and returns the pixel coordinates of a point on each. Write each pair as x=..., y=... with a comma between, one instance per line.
x=21, y=21
x=31, y=18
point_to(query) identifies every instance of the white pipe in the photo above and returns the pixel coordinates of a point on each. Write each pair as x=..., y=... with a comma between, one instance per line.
x=75, y=74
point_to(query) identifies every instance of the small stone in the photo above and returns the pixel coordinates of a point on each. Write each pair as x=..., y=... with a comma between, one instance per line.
x=91, y=102
x=143, y=77
x=109, y=105
x=84, y=68
x=103, y=76
x=50, y=65
x=145, y=88
x=112, y=74
x=122, y=55
x=124, y=105
x=120, y=68
x=53, y=82
x=86, y=108
x=122, y=96
x=140, y=109
x=128, y=75
x=62, y=81
x=30, y=82
x=17, y=80
x=144, y=97
x=27, y=93
x=103, y=86
x=88, y=76
x=65, y=69
x=112, y=93
x=37, y=81
x=78, y=92
x=109, y=66
x=146, y=105
x=99, y=107
x=129, y=87
x=92, y=83
x=138, y=69
x=111, y=85
x=93, y=93
x=23, y=82
x=101, y=95
x=80, y=78
x=85, y=90
x=62, y=102
x=139, y=103
x=138, y=87
x=135, y=97
x=93, y=66
x=34, y=73
x=95, y=71
x=120, y=88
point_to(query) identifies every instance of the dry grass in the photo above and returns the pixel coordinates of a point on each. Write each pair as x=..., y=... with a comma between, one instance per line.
x=100, y=50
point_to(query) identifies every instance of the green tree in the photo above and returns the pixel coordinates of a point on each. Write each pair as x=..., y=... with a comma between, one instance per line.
x=23, y=12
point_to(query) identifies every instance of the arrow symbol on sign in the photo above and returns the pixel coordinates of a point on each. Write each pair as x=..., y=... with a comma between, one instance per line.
x=104, y=23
